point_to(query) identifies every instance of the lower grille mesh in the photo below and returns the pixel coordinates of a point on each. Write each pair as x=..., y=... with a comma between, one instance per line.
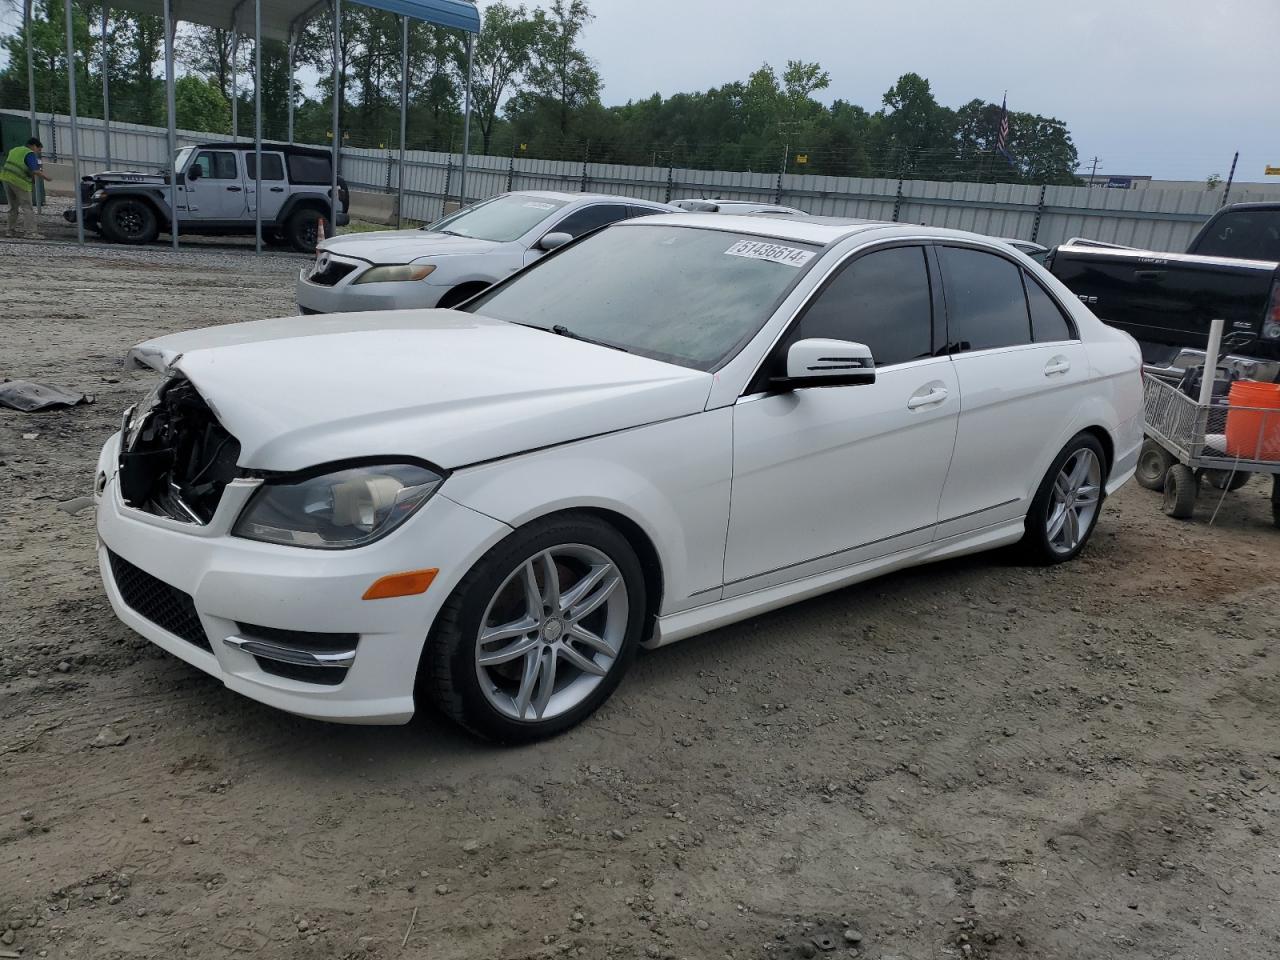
x=166, y=606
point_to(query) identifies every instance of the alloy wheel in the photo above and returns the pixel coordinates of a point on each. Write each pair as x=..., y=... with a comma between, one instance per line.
x=1074, y=501
x=552, y=632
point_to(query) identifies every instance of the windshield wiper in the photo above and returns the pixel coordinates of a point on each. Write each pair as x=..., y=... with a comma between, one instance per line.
x=560, y=330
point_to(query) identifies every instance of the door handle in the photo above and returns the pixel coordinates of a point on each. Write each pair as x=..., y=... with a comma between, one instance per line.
x=935, y=395
x=277, y=189
x=1056, y=366
x=234, y=189
x=1155, y=275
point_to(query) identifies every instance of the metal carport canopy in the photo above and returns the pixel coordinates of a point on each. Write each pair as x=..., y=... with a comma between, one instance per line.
x=282, y=19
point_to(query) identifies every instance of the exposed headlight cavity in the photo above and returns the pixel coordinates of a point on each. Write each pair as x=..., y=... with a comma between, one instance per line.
x=339, y=510
x=397, y=274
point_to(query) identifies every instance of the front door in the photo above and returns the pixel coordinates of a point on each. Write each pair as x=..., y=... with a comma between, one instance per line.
x=1021, y=368
x=218, y=192
x=583, y=220
x=825, y=477
x=273, y=184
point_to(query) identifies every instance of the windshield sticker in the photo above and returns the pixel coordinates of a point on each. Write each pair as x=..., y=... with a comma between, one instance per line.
x=538, y=205
x=773, y=252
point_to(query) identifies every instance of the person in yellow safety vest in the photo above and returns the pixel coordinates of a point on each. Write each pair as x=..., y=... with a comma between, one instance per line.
x=19, y=173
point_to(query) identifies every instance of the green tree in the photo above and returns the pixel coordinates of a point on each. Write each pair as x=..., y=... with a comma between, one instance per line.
x=200, y=104
x=503, y=54
x=562, y=78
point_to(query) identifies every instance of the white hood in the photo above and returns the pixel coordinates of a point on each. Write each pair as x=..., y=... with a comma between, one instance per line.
x=403, y=246
x=447, y=387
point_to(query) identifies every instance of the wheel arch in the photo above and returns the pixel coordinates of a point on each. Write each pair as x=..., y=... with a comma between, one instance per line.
x=1103, y=436
x=646, y=550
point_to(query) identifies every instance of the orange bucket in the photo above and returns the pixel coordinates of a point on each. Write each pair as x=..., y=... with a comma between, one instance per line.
x=1254, y=434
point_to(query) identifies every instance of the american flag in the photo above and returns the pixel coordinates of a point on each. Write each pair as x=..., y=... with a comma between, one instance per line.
x=1002, y=140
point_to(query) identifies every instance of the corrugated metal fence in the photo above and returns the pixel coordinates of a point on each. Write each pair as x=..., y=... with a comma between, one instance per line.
x=1157, y=219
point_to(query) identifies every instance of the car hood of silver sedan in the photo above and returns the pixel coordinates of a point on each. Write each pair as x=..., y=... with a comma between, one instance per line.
x=448, y=387
x=403, y=246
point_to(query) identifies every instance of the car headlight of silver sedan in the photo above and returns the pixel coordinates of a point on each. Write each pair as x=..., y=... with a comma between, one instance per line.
x=397, y=274
x=339, y=510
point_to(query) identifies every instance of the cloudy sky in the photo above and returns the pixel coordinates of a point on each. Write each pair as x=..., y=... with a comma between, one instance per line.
x=1165, y=87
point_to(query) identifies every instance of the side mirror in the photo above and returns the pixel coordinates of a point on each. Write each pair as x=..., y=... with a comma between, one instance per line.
x=827, y=363
x=193, y=173
x=554, y=241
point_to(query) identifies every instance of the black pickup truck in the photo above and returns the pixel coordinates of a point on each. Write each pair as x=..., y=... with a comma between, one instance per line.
x=1166, y=301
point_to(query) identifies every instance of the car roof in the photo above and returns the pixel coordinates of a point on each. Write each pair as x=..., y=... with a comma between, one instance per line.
x=823, y=231
x=570, y=197
x=285, y=148
x=1255, y=205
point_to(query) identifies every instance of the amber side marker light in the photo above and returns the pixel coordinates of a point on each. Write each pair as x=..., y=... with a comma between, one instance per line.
x=400, y=585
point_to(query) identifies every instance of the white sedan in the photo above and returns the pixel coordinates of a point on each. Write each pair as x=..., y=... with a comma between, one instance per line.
x=669, y=426
x=445, y=263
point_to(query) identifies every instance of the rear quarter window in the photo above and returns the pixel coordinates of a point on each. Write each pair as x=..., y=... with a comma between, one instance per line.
x=1243, y=235
x=306, y=169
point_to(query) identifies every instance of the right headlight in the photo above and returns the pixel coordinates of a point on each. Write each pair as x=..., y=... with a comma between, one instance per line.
x=397, y=274
x=338, y=510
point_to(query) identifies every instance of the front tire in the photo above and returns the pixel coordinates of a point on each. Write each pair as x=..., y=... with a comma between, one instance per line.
x=540, y=632
x=126, y=220
x=1066, y=507
x=1153, y=463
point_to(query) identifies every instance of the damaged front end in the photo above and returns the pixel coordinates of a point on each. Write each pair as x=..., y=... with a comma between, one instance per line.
x=175, y=457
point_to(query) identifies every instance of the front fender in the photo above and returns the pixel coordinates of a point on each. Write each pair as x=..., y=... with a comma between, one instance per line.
x=681, y=503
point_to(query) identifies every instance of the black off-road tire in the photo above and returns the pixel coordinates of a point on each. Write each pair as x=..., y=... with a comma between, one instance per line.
x=129, y=220
x=1035, y=543
x=1153, y=464
x=1228, y=480
x=447, y=673
x=1181, y=487
x=300, y=229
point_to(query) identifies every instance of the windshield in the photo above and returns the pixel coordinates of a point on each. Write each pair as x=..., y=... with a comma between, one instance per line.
x=1243, y=234
x=180, y=161
x=679, y=294
x=501, y=219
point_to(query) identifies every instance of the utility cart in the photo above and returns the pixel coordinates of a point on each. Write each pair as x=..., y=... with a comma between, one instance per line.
x=1209, y=427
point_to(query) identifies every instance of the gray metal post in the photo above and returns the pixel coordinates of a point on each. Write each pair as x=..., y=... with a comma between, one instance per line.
x=466, y=122
x=235, y=81
x=1231, y=177
x=293, y=52
x=257, y=126
x=404, y=109
x=172, y=110
x=37, y=188
x=75, y=133
x=106, y=91
x=337, y=132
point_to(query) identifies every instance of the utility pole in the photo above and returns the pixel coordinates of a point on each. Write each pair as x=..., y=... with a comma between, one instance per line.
x=1226, y=194
x=1094, y=175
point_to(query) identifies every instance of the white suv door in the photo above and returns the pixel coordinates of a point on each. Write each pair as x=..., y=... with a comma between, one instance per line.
x=824, y=477
x=218, y=192
x=1021, y=368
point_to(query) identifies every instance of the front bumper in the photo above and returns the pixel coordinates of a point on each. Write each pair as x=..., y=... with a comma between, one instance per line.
x=92, y=214
x=348, y=297
x=232, y=582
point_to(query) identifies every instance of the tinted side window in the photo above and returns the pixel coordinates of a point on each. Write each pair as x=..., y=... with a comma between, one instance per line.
x=589, y=218
x=307, y=169
x=217, y=164
x=640, y=212
x=985, y=300
x=1048, y=323
x=881, y=299
x=272, y=166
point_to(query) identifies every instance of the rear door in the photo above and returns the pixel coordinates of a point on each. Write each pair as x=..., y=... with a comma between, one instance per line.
x=274, y=191
x=218, y=192
x=1021, y=369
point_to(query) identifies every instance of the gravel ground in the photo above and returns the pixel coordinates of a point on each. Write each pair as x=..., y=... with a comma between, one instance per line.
x=975, y=759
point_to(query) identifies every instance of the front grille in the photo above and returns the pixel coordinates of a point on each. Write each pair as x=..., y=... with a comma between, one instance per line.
x=331, y=274
x=166, y=606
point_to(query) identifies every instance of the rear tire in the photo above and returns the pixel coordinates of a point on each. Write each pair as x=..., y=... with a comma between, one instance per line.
x=1181, y=487
x=1228, y=480
x=1066, y=507
x=300, y=230
x=503, y=700
x=1153, y=463
x=127, y=220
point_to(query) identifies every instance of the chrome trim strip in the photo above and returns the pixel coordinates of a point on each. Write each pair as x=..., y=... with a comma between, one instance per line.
x=272, y=651
x=974, y=513
x=828, y=556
